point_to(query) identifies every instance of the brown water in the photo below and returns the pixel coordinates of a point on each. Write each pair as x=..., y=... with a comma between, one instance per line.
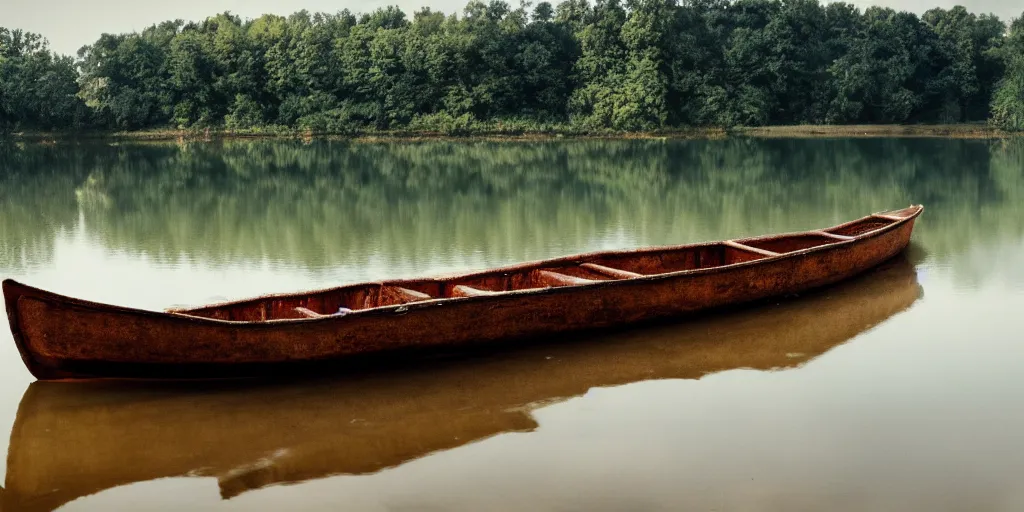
x=899, y=390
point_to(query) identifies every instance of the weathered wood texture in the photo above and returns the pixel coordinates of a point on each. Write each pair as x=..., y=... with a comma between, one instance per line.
x=61, y=337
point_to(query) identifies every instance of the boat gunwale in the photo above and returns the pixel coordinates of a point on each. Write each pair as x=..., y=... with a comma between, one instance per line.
x=180, y=313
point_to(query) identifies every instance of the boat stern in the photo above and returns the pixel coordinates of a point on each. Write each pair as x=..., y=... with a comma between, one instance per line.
x=13, y=292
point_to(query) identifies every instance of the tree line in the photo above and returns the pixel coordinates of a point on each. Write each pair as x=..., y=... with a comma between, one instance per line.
x=632, y=66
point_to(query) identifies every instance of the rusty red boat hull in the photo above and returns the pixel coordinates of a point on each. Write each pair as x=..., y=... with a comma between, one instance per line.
x=61, y=337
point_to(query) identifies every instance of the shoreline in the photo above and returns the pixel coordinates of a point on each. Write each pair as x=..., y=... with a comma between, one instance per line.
x=948, y=131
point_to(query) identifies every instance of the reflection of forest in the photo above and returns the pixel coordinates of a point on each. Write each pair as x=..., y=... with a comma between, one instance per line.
x=329, y=203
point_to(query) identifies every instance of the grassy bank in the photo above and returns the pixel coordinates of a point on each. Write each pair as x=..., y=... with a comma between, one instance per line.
x=958, y=131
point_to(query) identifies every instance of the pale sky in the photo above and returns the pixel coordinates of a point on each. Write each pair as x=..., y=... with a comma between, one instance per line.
x=70, y=24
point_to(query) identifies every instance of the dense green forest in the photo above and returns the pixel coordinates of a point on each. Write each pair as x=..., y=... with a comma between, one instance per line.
x=634, y=66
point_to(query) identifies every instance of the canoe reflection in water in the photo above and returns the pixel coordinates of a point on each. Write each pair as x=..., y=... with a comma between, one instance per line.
x=70, y=441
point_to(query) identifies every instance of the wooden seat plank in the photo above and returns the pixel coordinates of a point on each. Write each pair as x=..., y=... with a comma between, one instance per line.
x=833, y=235
x=308, y=313
x=888, y=217
x=461, y=290
x=610, y=272
x=411, y=295
x=737, y=245
x=550, y=278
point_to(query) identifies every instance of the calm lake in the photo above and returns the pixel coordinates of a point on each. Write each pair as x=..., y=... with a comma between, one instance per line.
x=899, y=390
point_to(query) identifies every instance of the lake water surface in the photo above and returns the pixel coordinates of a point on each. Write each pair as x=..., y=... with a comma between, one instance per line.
x=899, y=390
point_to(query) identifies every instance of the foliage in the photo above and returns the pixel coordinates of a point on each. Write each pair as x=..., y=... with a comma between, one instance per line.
x=37, y=87
x=622, y=65
x=1008, y=102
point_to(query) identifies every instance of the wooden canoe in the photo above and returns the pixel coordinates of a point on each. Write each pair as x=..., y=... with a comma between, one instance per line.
x=61, y=337
x=69, y=442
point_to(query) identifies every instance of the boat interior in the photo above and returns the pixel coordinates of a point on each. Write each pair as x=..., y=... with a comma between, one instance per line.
x=570, y=271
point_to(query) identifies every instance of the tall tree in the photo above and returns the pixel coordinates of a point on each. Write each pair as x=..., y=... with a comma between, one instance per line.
x=601, y=68
x=965, y=42
x=125, y=78
x=37, y=87
x=884, y=76
x=1008, y=100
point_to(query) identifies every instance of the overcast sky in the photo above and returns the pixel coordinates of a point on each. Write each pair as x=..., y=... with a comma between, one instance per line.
x=70, y=24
